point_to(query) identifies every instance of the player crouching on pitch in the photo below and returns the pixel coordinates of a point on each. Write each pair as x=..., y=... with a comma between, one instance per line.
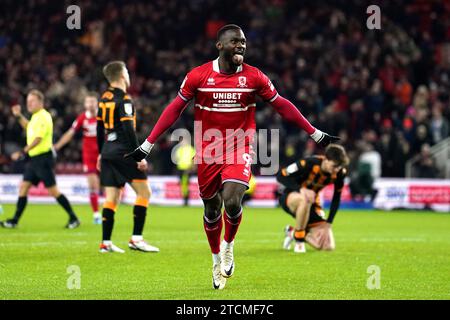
x=301, y=183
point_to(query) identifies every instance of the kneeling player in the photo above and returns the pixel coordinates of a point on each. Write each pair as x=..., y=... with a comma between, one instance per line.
x=301, y=183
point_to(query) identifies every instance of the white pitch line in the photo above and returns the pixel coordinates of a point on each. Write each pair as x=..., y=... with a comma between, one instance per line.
x=391, y=240
x=43, y=244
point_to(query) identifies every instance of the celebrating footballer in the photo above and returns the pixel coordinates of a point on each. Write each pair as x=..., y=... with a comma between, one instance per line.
x=225, y=91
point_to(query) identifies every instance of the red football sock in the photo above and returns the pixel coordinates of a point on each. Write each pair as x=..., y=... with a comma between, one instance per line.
x=213, y=229
x=231, y=226
x=93, y=197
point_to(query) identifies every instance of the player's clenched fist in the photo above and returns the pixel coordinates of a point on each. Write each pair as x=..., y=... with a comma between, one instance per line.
x=142, y=165
x=16, y=110
x=141, y=152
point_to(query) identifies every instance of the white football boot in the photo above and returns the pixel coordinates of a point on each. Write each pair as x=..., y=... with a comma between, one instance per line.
x=110, y=247
x=218, y=280
x=300, y=247
x=227, y=259
x=288, y=237
x=141, y=245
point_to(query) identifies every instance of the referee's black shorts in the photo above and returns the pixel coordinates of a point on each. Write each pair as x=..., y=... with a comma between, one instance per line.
x=40, y=168
x=116, y=172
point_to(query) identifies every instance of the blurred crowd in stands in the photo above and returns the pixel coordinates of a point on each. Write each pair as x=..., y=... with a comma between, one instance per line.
x=384, y=92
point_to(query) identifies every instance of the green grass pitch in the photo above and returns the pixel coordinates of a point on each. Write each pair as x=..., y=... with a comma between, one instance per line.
x=410, y=248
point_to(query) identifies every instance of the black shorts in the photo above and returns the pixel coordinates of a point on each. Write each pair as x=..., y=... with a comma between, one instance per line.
x=117, y=172
x=316, y=214
x=40, y=168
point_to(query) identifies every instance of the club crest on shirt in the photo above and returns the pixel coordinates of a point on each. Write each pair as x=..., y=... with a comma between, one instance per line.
x=128, y=108
x=242, y=82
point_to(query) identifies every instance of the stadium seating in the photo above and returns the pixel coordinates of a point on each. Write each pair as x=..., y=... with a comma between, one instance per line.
x=389, y=88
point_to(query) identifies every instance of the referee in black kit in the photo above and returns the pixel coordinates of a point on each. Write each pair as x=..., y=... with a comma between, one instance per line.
x=41, y=164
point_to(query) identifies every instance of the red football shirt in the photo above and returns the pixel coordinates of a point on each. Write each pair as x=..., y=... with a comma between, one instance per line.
x=88, y=124
x=225, y=103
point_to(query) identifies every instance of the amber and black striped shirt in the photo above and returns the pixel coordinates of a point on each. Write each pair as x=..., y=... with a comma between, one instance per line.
x=307, y=173
x=116, y=124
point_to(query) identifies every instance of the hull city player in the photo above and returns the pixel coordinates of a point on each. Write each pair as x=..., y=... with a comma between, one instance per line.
x=301, y=183
x=225, y=93
x=116, y=121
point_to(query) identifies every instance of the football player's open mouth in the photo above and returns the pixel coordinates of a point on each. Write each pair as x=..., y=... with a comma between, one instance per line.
x=238, y=56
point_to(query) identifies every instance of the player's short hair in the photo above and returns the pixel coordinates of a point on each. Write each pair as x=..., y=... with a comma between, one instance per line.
x=91, y=94
x=336, y=153
x=38, y=94
x=226, y=28
x=113, y=70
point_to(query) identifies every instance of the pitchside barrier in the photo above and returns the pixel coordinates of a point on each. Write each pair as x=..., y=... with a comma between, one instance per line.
x=392, y=193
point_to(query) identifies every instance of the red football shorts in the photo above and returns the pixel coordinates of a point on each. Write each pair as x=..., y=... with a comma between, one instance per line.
x=90, y=163
x=211, y=177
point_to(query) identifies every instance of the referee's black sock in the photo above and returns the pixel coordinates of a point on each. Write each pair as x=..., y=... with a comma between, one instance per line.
x=62, y=200
x=20, y=207
x=139, y=213
x=108, y=223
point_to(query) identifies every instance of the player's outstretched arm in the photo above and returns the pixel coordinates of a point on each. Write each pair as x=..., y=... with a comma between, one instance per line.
x=290, y=113
x=170, y=114
x=66, y=137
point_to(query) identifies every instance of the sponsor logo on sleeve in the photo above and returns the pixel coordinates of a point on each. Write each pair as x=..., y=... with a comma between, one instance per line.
x=128, y=108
